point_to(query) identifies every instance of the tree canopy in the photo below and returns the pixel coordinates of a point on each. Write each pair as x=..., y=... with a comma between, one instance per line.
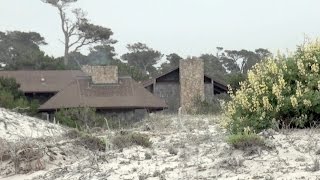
x=240, y=61
x=79, y=32
x=142, y=57
x=173, y=60
x=21, y=50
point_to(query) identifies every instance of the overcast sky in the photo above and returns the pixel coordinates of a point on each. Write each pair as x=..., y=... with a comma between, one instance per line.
x=186, y=27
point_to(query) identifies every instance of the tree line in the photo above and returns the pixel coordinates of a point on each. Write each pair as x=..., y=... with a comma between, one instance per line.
x=21, y=50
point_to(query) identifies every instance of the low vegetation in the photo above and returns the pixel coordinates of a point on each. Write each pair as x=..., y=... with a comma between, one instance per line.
x=80, y=118
x=245, y=140
x=215, y=106
x=25, y=155
x=126, y=139
x=12, y=98
x=87, y=140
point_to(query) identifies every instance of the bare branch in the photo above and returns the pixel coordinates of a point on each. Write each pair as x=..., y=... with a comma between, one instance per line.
x=84, y=43
x=76, y=42
x=61, y=41
x=63, y=20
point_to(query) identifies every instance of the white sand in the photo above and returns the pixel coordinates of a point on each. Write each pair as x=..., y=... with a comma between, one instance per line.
x=14, y=126
x=202, y=153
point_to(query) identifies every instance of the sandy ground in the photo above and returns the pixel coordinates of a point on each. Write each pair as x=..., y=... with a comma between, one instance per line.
x=15, y=126
x=190, y=147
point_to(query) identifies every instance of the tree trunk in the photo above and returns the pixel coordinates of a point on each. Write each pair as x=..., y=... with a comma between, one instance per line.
x=65, y=58
x=66, y=52
x=145, y=69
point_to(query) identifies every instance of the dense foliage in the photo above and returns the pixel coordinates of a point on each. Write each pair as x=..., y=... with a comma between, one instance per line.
x=279, y=92
x=142, y=57
x=80, y=118
x=21, y=50
x=12, y=98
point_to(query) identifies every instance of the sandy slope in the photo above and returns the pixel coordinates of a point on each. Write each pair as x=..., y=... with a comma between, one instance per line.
x=14, y=126
x=192, y=147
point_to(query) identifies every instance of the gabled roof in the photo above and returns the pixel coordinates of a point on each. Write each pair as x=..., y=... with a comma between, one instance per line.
x=127, y=94
x=42, y=81
x=151, y=81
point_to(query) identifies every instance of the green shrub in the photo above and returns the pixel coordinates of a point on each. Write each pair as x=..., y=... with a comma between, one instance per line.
x=12, y=98
x=281, y=91
x=127, y=139
x=65, y=117
x=81, y=118
x=10, y=85
x=6, y=99
x=245, y=140
x=235, y=79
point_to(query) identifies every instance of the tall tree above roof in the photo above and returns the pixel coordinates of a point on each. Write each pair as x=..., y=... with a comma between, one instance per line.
x=142, y=57
x=79, y=32
x=20, y=50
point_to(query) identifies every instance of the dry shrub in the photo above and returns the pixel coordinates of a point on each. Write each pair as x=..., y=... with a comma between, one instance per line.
x=157, y=122
x=4, y=150
x=92, y=143
x=315, y=166
x=172, y=150
x=195, y=122
x=214, y=106
x=89, y=141
x=73, y=134
x=26, y=156
x=147, y=155
x=127, y=139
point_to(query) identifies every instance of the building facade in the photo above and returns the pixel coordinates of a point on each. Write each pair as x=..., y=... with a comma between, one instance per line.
x=181, y=85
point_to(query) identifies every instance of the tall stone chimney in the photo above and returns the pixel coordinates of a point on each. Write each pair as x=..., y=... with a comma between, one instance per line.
x=102, y=74
x=191, y=82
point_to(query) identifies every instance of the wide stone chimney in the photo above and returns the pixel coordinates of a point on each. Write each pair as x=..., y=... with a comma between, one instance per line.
x=191, y=82
x=102, y=74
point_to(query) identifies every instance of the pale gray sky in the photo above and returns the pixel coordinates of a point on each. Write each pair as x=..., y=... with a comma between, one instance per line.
x=187, y=27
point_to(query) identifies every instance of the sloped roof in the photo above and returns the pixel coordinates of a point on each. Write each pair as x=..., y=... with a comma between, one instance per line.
x=125, y=94
x=151, y=81
x=42, y=81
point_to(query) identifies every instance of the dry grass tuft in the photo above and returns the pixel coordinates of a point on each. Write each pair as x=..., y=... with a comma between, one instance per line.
x=127, y=139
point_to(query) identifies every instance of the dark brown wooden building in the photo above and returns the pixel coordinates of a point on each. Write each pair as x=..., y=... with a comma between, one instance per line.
x=42, y=85
x=95, y=86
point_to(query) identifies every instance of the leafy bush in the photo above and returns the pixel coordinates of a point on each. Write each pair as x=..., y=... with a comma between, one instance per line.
x=245, y=140
x=127, y=139
x=279, y=91
x=234, y=80
x=12, y=98
x=81, y=118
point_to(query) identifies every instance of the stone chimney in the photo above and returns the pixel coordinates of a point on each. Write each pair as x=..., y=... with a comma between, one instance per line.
x=102, y=74
x=191, y=82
